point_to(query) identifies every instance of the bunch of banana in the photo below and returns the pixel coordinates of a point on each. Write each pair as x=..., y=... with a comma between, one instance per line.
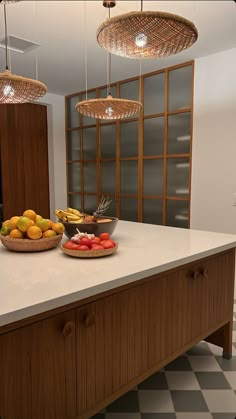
x=70, y=215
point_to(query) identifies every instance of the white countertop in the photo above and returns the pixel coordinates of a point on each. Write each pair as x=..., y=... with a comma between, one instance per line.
x=31, y=283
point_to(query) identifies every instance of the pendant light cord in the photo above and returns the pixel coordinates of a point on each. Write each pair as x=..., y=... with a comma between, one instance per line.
x=109, y=63
x=37, y=41
x=141, y=5
x=6, y=36
x=85, y=51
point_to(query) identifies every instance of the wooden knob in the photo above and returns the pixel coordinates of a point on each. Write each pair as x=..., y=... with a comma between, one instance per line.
x=89, y=319
x=68, y=329
x=205, y=272
x=196, y=275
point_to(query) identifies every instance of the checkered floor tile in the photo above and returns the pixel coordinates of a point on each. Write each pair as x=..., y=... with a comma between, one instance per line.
x=198, y=385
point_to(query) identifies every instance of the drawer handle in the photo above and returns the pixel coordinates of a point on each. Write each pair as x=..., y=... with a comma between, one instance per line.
x=204, y=272
x=196, y=275
x=68, y=329
x=89, y=319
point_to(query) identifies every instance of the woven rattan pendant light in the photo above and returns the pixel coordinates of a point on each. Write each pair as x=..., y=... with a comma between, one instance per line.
x=17, y=89
x=146, y=35
x=109, y=107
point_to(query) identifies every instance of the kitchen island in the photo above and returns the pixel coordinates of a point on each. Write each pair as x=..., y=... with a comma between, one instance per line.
x=76, y=334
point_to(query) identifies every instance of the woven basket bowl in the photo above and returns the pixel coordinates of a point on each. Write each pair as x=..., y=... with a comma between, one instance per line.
x=27, y=245
x=89, y=253
x=91, y=228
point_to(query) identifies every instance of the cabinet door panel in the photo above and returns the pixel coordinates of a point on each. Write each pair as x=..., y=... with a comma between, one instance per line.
x=24, y=159
x=37, y=365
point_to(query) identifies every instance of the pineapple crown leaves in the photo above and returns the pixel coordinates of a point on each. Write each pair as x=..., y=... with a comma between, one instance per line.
x=102, y=206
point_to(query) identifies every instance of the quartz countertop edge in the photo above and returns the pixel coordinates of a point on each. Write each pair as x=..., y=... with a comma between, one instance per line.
x=26, y=303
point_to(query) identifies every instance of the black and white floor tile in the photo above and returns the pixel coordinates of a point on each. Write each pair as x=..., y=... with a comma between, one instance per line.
x=198, y=385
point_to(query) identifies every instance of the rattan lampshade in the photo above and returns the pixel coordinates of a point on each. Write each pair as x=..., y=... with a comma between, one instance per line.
x=145, y=35
x=17, y=89
x=8, y=1
x=109, y=108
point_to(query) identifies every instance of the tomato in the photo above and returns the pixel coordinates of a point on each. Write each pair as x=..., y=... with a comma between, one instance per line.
x=82, y=247
x=108, y=244
x=97, y=247
x=96, y=240
x=102, y=242
x=70, y=245
x=85, y=241
x=104, y=236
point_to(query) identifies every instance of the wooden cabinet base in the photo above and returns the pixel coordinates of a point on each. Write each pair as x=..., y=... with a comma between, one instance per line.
x=70, y=365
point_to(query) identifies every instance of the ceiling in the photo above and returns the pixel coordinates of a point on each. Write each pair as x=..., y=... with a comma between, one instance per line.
x=59, y=27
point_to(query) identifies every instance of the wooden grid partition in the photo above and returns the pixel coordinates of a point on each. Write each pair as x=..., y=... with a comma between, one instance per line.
x=143, y=163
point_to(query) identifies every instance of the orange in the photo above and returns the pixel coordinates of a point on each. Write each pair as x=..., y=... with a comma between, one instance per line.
x=49, y=233
x=16, y=234
x=43, y=224
x=50, y=223
x=5, y=223
x=34, y=233
x=58, y=228
x=14, y=221
x=24, y=223
x=30, y=214
x=10, y=225
x=38, y=217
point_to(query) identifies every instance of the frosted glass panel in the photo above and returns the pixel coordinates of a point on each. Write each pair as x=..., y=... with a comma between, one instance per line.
x=179, y=128
x=90, y=177
x=129, y=139
x=152, y=211
x=177, y=213
x=180, y=88
x=108, y=177
x=153, y=177
x=89, y=144
x=74, y=177
x=154, y=94
x=112, y=207
x=153, y=141
x=130, y=90
x=178, y=177
x=75, y=201
x=86, y=120
x=90, y=203
x=73, y=145
x=129, y=209
x=108, y=141
x=72, y=113
x=129, y=177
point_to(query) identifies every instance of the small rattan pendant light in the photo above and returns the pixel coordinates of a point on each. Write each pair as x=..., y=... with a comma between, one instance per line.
x=144, y=35
x=17, y=89
x=109, y=107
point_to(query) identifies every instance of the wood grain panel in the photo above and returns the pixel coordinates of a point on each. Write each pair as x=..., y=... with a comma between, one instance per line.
x=37, y=366
x=24, y=158
x=15, y=383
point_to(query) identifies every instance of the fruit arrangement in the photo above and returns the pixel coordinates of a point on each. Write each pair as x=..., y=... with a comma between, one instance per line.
x=72, y=215
x=86, y=242
x=30, y=226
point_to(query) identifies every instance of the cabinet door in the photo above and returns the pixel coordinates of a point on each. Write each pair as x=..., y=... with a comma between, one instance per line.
x=24, y=159
x=207, y=293
x=112, y=345
x=37, y=365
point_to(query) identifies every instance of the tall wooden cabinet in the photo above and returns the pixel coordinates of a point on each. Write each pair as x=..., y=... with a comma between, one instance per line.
x=24, y=159
x=142, y=163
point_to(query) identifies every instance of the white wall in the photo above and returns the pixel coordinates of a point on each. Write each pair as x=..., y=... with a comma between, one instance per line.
x=56, y=150
x=214, y=143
